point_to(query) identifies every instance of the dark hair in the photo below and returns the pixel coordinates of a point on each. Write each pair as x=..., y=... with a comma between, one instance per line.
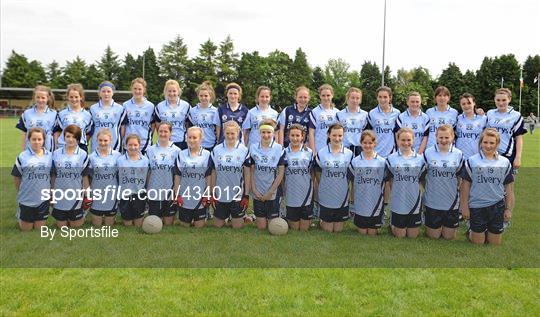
x=75, y=130
x=334, y=126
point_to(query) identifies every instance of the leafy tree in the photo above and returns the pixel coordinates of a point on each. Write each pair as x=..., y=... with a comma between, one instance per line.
x=20, y=72
x=93, y=77
x=109, y=66
x=252, y=73
x=531, y=69
x=301, y=71
x=279, y=78
x=452, y=78
x=54, y=74
x=227, y=64
x=336, y=73
x=173, y=60
x=131, y=69
x=151, y=75
x=201, y=68
x=75, y=72
x=371, y=80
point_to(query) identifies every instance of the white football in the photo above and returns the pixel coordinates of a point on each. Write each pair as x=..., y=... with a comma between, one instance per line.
x=278, y=226
x=152, y=224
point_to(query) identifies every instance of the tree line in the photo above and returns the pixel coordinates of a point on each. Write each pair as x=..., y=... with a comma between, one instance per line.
x=220, y=64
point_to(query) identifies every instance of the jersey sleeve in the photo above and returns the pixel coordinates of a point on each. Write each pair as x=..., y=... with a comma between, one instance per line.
x=466, y=172
x=86, y=166
x=317, y=165
x=398, y=124
x=17, y=168
x=246, y=125
x=123, y=117
x=509, y=178
x=518, y=128
x=283, y=159
x=247, y=160
x=281, y=118
x=21, y=125
x=210, y=166
x=312, y=121
x=57, y=124
x=388, y=171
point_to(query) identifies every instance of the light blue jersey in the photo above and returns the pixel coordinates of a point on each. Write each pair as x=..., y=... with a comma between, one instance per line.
x=487, y=178
x=438, y=118
x=254, y=118
x=353, y=123
x=113, y=118
x=419, y=124
x=266, y=163
x=334, y=183
x=32, y=118
x=298, y=180
x=35, y=174
x=383, y=125
x=405, y=174
x=208, y=120
x=319, y=120
x=193, y=170
x=468, y=131
x=81, y=118
x=162, y=160
x=368, y=185
x=139, y=121
x=104, y=174
x=229, y=164
x=442, y=178
x=176, y=115
x=132, y=174
x=509, y=125
x=69, y=170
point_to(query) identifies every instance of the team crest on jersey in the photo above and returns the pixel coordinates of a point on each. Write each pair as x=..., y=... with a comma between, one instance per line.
x=240, y=119
x=224, y=117
x=203, y=117
x=106, y=116
x=291, y=117
x=137, y=114
x=173, y=115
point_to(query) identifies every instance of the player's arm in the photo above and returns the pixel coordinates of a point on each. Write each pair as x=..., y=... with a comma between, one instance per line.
x=312, y=139
x=246, y=136
x=23, y=143
x=17, y=182
x=56, y=135
x=464, y=191
x=247, y=177
x=254, y=190
x=281, y=135
x=509, y=201
x=519, y=147
x=423, y=144
x=275, y=184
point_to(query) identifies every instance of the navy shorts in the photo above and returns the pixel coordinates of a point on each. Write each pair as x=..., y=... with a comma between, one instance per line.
x=32, y=214
x=489, y=218
x=104, y=213
x=368, y=222
x=333, y=214
x=266, y=209
x=435, y=218
x=65, y=215
x=296, y=213
x=406, y=221
x=232, y=209
x=189, y=215
x=162, y=208
x=132, y=209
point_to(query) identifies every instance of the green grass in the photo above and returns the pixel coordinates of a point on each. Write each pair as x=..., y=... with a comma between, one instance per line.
x=244, y=270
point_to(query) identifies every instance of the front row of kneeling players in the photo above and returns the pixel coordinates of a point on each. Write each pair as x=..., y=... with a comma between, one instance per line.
x=224, y=177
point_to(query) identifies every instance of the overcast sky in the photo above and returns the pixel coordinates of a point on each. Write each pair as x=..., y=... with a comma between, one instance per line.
x=419, y=32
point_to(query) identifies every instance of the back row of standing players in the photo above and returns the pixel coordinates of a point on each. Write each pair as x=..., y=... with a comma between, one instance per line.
x=138, y=116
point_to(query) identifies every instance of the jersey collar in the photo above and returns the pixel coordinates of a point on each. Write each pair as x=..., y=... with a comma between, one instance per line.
x=342, y=150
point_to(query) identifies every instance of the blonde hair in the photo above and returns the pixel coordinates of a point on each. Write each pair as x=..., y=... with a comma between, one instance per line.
x=78, y=88
x=196, y=128
x=492, y=132
x=445, y=128
x=368, y=134
x=105, y=131
x=300, y=88
x=351, y=90
x=504, y=91
x=133, y=136
x=36, y=130
x=48, y=91
x=405, y=130
x=231, y=124
x=138, y=80
x=414, y=94
x=326, y=87
x=259, y=90
x=206, y=86
x=172, y=82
